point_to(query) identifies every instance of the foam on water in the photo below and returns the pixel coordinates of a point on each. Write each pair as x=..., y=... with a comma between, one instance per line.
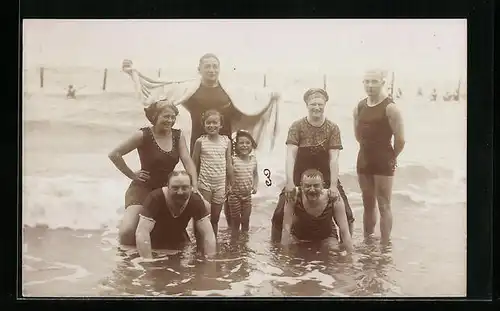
x=68, y=182
x=78, y=271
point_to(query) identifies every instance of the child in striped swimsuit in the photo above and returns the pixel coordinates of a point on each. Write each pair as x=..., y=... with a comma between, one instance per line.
x=212, y=154
x=245, y=182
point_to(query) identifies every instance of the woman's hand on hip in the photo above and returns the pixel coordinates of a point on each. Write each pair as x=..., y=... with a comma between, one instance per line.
x=142, y=176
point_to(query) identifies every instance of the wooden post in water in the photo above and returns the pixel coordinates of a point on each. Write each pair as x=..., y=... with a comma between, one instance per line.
x=104, y=79
x=265, y=80
x=324, y=82
x=159, y=72
x=41, y=77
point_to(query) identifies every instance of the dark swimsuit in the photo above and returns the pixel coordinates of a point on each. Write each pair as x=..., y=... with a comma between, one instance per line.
x=157, y=162
x=315, y=155
x=376, y=155
x=307, y=227
x=206, y=98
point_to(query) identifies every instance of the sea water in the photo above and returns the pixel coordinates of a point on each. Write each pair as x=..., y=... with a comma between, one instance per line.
x=73, y=196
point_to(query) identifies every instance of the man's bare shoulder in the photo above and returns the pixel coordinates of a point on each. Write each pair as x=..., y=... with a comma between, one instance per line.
x=393, y=110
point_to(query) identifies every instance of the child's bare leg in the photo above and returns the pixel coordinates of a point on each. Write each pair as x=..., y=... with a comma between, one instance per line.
x=214, y=217
x=246, y=211
x=235, y=227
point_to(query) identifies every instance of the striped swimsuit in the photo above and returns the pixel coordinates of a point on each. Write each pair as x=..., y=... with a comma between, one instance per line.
x=212, y=177
x=240, y=198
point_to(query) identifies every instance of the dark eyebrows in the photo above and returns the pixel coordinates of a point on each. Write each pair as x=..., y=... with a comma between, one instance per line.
x=312, y=184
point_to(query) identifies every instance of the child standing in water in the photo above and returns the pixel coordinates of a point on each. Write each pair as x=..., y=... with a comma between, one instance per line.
x=246, y=179
x=212, y=154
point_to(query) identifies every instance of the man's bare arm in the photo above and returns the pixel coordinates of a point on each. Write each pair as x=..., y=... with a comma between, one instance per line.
x=143, y=236
x=355, y=123
x=340, y=218
x=286, y=233
x=291, y=156
x=334, y=166
x=207, y=235
x=397, y=126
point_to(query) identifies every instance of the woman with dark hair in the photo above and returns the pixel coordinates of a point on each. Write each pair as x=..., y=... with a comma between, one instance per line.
x=160, y=147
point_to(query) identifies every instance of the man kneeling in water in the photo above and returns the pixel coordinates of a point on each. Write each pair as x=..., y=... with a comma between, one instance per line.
x=311, y=214
x=166, y=213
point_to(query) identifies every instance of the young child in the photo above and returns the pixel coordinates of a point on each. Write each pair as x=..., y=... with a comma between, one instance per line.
x=212, y=154
x=245, y=182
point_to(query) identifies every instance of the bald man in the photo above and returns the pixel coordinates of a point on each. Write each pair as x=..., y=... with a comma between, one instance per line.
x=376, y=121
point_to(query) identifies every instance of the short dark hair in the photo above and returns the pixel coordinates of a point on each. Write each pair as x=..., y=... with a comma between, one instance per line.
x=153, y=111
x=178, y=173
x=208, y=55
x=311, y=173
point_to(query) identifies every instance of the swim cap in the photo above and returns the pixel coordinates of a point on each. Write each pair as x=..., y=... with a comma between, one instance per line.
x=315, y=92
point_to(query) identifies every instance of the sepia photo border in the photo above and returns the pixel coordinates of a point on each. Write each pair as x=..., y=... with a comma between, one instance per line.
x=480, y=174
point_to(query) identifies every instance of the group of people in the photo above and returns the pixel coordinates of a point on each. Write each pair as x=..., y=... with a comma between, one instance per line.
x=221, y=170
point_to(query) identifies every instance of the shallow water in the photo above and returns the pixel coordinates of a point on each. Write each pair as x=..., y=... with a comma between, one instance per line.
x=73, y=198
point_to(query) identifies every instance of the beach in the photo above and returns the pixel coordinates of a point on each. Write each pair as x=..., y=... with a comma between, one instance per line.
x=73, y=199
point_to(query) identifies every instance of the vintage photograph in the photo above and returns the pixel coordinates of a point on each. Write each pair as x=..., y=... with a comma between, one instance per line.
x=258, y=158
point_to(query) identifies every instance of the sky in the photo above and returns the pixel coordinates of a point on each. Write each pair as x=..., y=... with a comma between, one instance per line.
x=419, y=47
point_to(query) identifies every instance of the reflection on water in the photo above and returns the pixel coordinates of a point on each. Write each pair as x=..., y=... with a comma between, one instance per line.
x=239, y=270
x=70, y=183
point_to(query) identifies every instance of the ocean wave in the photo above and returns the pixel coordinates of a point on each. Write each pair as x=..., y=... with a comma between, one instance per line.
x=72, y=138
x=72, y=202
x=80, y=202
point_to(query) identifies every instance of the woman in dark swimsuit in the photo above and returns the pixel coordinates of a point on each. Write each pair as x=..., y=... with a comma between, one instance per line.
x=160, y=147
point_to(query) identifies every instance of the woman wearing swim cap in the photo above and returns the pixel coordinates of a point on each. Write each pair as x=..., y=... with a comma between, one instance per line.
x=313, y=142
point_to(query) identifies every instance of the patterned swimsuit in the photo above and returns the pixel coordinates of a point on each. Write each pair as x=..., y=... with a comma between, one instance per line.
x=240, y=198
x=213, y=167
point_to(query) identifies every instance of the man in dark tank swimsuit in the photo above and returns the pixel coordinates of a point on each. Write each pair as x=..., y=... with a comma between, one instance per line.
x=312, y=215
x=314, y=142
x=376, y=120
x=166, y=213
x=209, y=96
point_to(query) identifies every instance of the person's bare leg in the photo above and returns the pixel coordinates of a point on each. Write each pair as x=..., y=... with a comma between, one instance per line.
x=383, y=191
x=214, y=217
x=227, y=214
x=246, y=211
x=235, y=227
x=367, y=185
x=128, y=225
